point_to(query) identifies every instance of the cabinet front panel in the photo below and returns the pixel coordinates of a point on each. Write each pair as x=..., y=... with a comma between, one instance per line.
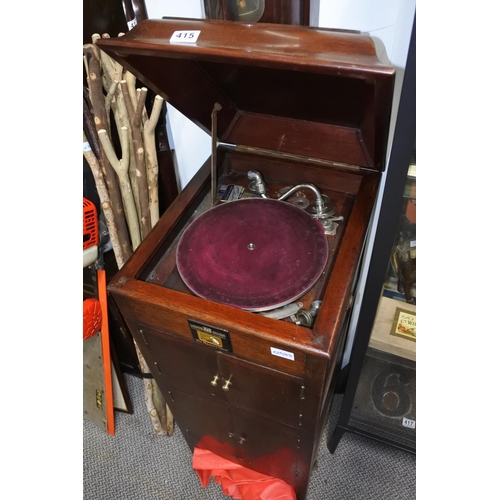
x=204, y=372
x=262, y=390
x=186, y=365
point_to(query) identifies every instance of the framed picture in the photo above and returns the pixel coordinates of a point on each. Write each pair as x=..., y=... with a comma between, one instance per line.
x=405, y=324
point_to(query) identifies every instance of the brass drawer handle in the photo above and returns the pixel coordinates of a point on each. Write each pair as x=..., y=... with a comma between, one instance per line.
x=226, y=385
x=214, y=381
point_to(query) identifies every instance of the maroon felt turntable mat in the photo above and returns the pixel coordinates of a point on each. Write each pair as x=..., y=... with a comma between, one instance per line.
x=216, y=262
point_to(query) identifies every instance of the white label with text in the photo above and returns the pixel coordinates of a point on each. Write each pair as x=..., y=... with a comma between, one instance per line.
x=185, y=36
x=282, y=354
x=409, y=423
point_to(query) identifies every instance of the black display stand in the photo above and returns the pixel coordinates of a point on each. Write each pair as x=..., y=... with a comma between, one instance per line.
x=374, y=374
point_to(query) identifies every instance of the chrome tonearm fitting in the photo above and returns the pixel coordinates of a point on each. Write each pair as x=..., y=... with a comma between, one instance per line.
x=258, y=185
x=323, y=210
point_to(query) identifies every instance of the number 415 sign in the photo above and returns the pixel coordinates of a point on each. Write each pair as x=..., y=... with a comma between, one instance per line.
x=185, y=36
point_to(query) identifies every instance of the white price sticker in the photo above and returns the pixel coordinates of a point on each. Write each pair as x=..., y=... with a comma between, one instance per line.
x=86, y=147
x=185, y=36
x=409, y=423
x=282, y=354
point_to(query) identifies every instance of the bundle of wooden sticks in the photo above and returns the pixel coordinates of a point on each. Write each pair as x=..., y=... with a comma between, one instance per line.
x=120, y=147
x=131, y=181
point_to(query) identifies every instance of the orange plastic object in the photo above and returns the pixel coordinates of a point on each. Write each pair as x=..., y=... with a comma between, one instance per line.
x=106, y=350
x=92, y=318
x=237, y=481
x=90, y=224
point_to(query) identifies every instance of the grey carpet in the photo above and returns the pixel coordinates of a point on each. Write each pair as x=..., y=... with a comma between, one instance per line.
x=135, y=464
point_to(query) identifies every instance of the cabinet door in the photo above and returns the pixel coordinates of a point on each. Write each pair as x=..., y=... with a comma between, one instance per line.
x=205, y=423
x=182, y=364
x=266, y=445
x=261, y=390
x=261, y=444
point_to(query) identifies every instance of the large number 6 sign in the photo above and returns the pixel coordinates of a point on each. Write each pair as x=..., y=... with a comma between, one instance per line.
x=390, y=392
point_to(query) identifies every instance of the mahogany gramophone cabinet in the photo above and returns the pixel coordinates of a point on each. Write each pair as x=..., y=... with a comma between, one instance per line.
x=238, y=297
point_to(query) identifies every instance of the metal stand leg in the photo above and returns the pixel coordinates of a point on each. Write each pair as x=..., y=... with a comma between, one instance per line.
x=334, y=439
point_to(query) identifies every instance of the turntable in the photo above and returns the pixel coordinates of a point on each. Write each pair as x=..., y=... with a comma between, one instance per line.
x=239, y=297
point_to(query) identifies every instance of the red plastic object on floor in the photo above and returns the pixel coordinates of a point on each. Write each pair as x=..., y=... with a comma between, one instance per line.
x=237, y=481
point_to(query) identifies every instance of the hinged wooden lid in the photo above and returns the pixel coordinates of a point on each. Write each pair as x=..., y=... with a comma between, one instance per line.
x=315, y=92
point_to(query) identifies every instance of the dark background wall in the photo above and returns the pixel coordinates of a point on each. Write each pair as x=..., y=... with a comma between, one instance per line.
x=103, y=16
